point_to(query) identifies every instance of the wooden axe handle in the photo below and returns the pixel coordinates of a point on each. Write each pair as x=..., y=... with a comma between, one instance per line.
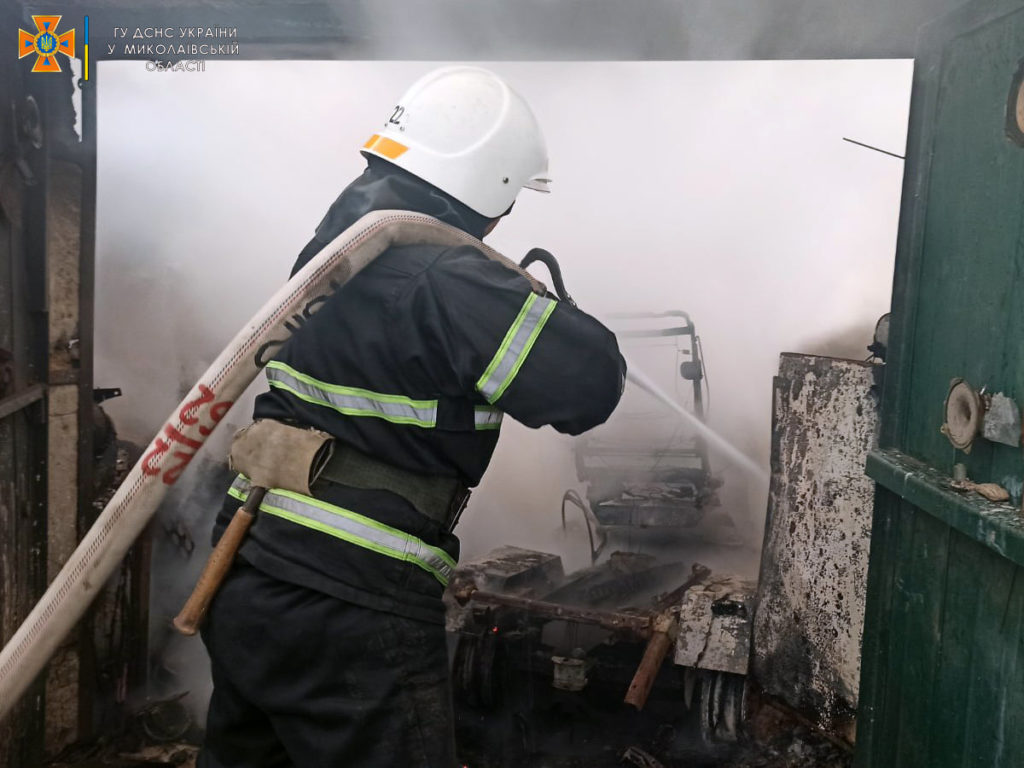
x=655, y=653
x=187, y=622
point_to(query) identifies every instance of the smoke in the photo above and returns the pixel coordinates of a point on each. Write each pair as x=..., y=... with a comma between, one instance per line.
x=596, y=30
x=723, y=189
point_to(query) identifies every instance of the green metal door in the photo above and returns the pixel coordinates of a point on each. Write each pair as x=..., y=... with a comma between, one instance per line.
x=943, y=659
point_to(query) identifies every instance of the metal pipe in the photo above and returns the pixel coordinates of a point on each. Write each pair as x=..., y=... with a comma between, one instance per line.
x=23, y=399
x=868, y=146
x=639, y=625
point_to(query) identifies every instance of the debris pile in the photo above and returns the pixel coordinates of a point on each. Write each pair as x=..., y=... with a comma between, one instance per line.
x=178, y=755
x=801, y=748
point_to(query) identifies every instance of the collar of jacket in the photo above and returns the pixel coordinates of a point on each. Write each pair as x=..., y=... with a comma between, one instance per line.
x=385, y=186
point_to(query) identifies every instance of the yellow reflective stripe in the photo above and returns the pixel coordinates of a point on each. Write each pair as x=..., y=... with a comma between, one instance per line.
x=515, y=347
x=240, y=490
x=368, y=521
x=352, y=401
x=352, y=538
x=521, y=358
x=507, y=341
x=352, y=527
x=487, y=417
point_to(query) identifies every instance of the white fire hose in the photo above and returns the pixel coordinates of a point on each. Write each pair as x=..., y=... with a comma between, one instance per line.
x=126, y=515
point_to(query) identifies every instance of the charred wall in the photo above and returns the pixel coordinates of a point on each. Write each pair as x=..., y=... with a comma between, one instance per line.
x=47, y=178
x=810, y=611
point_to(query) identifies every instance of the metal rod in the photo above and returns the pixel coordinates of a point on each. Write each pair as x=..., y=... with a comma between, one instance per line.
x=639, y=625
x=698, y=573
x=23, y=399
x=868, y=146
x=661, y=332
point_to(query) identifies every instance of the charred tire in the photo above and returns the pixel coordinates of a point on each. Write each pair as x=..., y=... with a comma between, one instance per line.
x=722, y=707
x=476, y=670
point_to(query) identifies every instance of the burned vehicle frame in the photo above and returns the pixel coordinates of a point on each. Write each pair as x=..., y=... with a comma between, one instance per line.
x=634, y=485
x=557, y=666
x=548, y=664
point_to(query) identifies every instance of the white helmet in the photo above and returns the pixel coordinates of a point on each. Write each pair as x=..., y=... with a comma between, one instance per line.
x=464, y=130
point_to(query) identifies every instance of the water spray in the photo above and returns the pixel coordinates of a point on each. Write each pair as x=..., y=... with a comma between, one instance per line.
x=645, y=383
x=734, y=454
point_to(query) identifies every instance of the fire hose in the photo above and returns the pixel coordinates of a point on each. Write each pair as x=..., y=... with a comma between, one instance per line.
x=194, y=420
x=548, y=260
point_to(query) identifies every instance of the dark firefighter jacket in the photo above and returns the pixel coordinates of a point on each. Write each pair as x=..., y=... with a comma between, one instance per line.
x=414, y=362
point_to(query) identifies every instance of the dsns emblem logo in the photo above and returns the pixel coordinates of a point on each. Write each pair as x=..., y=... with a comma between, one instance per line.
x=46, y=44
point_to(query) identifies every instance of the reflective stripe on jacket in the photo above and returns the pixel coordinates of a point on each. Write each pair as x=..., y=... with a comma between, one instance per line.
x=351, y=401
x=352, y=527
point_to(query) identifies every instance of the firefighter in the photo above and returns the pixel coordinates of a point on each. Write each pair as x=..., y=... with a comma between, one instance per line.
x=326, y=640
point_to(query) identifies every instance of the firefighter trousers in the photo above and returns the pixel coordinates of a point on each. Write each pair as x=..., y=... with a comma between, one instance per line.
x=304, y=680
